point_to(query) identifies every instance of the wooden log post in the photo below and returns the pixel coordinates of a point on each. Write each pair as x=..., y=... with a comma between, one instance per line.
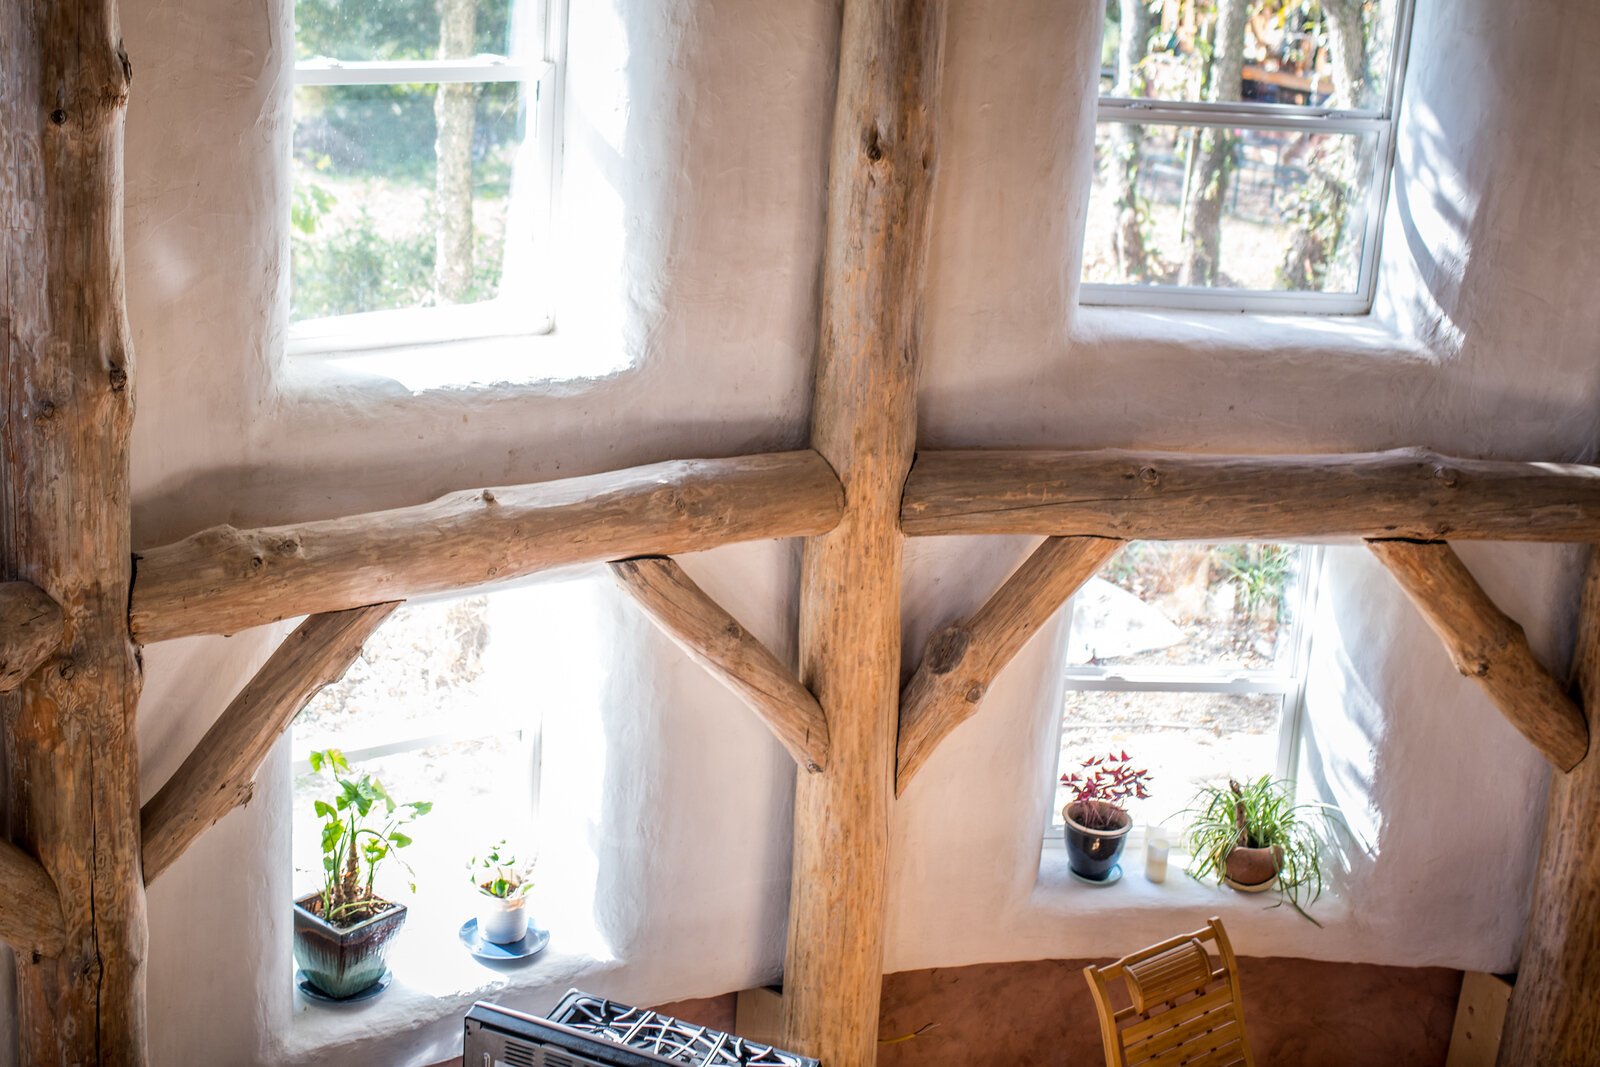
x=713, y=638
x=1553, y=1021
x=218, y=775
x=1488, y=646
x=962, y=659
x=1181, y=496
x=864, y=424
x=73, y=786
x=224, y=580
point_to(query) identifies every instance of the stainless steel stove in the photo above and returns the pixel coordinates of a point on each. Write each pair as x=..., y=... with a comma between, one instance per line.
x=589, y=1031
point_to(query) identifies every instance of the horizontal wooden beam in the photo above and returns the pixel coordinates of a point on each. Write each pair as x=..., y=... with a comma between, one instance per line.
x=217, y=776
x=962, y=659
x=223, y=580
x=30, y=629
x=714, y=638
x=30, y=908
x=1172, y=496
x=1489, y=647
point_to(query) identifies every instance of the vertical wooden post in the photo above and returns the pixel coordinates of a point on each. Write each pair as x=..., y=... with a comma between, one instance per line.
x=66, y=364
x=1554, y=1019
x=864, y=424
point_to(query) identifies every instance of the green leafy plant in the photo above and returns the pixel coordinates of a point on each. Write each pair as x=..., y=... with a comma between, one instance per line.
x=1260, y=814
x=500, y=874
x=360, y=830
x=1259, y=572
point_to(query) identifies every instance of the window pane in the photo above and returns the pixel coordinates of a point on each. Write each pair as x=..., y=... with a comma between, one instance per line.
x=1178, y=604
x=1185, y=740
x=373, y=227
x=1318, y=52
x=1214, y=207
x=391, y=29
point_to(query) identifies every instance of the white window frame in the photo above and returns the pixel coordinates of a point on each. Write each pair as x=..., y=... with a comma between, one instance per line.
x=1286, y=679
x=1377, y=122
x=538, y=163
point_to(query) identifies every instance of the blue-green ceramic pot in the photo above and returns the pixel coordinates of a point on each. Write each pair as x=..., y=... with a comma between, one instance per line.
x=343, y=961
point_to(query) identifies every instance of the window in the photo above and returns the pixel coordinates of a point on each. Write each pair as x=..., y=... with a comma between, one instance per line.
x=422, y=161
x=438, y=707
x=1191, y=657
x=1242, y=153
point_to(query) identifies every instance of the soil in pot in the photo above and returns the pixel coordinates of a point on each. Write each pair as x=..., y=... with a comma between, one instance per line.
x=1252, y=869
x=344, y=960
x=1095, y=834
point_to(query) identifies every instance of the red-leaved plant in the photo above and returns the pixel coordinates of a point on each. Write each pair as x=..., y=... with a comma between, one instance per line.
x=1102, y=787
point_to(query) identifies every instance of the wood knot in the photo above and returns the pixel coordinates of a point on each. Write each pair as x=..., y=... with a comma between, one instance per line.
x=975, y=693
x=1149, y=477
x=812, y=767
x=872, y=143
x=119, y=378
x=47, y=411
x=257, y=562
x=946, y=649
x=1478, y=668
x=489, y=497
x=733, y=630
x=58, y=117
x=1446, y=477
x=289, y=546
x=66, y=669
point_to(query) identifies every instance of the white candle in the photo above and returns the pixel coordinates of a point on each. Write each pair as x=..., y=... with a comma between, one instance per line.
x=1156, y=847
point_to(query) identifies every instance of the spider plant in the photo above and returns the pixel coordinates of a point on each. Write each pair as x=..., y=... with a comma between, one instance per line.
x=1260, y=814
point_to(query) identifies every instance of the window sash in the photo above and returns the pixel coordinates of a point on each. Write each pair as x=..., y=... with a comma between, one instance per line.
x=322, y=71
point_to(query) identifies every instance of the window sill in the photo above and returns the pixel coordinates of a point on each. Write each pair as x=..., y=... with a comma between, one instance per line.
x=418, y=1018
x=1292, y=336
x=1058, y=892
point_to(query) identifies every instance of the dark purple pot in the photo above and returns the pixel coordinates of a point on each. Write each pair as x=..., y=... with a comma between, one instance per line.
x=343, y=961
x=1092, y=853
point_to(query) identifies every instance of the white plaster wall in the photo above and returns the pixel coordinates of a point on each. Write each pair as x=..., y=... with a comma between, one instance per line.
x=695, y=133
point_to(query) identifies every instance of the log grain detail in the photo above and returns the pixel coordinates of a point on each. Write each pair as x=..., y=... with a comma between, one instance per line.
x=218, y=775
x=72, y=787
x=1488, y=647
x=1168, y=496
x=1552, y=1018
x=962, y=660
x=880, y=174
x=716, y=640
x=30, y=630
x=224, y=580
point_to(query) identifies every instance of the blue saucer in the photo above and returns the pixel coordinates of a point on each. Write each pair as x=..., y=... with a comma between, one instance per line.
x=532, y=943
x=1113, y=876
x=307, y=987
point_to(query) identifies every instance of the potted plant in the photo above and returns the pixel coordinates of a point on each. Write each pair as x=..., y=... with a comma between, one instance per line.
x=503, y=886
x=1097, y=824
x=1254, y=837
x=342, y=932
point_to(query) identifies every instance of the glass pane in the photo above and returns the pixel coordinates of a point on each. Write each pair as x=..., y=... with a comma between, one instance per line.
x=1178, y=604
x=373, y=225
x=1185, y=740
x=1333, y=53
x=393, y=29
x=1214, y=207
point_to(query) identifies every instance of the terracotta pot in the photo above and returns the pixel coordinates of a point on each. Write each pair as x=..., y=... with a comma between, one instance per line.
x=1252, y=869
x=343, y=961
x=1093, y=852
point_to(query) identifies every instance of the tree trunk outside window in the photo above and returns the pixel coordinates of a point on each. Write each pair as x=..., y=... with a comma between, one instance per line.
x=1124, y=157
x=454, y=115
x=1212, y=151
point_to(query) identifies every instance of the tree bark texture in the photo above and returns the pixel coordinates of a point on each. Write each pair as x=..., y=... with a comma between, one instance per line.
x=219, y=774
x=1121, y=165
x=30, y=630
x=73, y=790
x=1182, y=496
x=1211, y=172
x=963, y=659
x=455, y=120
x=224, y=580
x=1554, y=1018
x=864, y=423
x=700, y=626
x=1488, y=647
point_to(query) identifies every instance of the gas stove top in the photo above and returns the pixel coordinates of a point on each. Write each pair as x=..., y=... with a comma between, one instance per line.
x=671, y=1039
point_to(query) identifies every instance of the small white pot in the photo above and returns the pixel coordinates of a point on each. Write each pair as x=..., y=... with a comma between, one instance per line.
x=502, y=920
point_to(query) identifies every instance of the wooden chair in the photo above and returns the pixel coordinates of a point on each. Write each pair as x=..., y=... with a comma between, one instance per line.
x=1181, y=1010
